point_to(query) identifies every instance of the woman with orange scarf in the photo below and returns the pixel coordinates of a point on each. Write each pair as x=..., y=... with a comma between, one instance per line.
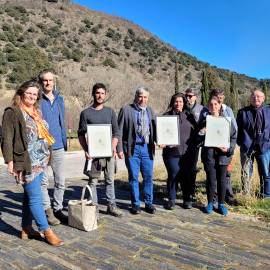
x=25, y=147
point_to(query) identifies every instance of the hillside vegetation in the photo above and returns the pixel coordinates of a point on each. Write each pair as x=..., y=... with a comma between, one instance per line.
x=86, y=46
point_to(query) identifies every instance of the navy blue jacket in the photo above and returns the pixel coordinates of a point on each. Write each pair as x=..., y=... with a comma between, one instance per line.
x=245, y=138
x=47, y=110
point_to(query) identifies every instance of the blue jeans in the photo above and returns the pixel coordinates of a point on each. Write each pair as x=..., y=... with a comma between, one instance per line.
x=32, y=205
x=140, y=161
x=263, y=161
x=58, y=168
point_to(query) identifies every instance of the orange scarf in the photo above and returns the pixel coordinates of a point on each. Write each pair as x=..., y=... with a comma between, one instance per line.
x=43, y=132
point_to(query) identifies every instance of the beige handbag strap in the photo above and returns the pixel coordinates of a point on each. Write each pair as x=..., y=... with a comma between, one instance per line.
x=90, y=192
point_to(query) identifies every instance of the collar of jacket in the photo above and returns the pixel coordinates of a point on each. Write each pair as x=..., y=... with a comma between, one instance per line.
x=55, y=93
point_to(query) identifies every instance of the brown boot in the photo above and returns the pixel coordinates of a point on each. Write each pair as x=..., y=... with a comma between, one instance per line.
x=52, y=220
x=52, y=238
x=30, y=233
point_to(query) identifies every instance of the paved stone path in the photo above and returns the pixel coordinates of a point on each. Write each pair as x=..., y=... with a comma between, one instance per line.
x=173, y=240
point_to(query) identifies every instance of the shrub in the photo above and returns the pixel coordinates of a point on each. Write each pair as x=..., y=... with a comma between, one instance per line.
x=94, y=30
x=109, y=62
x=29, y=61
x=54, y=32
x=77, y=55
x=115, y=36
x=151, y=70
x=43, y=42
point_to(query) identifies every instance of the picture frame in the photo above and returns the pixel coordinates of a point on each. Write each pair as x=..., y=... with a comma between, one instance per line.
x=99, y=139
x=217, y=131
x=168, y=132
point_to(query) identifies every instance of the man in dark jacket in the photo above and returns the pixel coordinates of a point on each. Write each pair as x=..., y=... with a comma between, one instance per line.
x=137, y=135
x=254, y=140
x=53, y=111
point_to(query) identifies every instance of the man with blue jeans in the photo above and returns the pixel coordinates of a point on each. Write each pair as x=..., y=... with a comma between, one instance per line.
x=254, y=140
x=53, y=111
x=137, y=135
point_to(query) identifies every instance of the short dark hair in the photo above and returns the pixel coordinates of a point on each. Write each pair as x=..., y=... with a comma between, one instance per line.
x=43, y=72
x=212, y=98
x=217, y=91
x=98, y=86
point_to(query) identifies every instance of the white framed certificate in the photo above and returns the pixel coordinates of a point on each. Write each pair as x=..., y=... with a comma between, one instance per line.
x=168, y=130
x=217, y=131
x=99, y=139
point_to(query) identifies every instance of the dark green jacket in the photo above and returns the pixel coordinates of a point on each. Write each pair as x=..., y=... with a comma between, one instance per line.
x=14, y=143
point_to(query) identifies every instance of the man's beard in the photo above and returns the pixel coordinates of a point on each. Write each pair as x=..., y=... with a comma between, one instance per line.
x=99, y=102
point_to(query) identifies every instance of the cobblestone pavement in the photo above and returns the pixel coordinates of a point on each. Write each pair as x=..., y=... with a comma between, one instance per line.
x=179, y=239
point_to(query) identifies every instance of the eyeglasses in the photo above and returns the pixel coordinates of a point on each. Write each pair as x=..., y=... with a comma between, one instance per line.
x=31, y=94
x=189, y=96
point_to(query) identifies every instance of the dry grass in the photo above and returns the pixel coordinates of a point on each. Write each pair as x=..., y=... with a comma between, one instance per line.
x=74, y=145
x=249, y=205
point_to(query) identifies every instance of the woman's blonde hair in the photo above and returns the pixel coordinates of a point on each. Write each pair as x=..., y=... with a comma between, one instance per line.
x=17, y=98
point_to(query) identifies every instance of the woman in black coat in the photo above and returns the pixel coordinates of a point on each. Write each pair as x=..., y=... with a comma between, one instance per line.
x=215, y=162
x=176, y=158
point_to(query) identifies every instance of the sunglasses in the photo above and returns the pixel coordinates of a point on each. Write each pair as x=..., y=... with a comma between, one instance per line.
x=190, y=96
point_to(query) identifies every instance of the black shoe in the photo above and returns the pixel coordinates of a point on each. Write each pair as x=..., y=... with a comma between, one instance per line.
x=135, y=210
x=169, y=205
x=150, y=208
x=187, y=204
x=113, y=210
x=231, y=201
x=61, y=216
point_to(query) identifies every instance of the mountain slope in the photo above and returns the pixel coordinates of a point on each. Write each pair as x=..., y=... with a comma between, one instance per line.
x=85, y=47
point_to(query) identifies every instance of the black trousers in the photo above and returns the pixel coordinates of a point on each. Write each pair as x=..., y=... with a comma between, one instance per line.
x=215, y=180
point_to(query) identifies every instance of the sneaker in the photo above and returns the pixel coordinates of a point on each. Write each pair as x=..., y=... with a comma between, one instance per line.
x=61, y=216
x=135, y=210
x=209, y=208
x=187, y=204
x=169, y=205
x=150, y=208
x=113, y=210
x=222, y=209
x=52, y=220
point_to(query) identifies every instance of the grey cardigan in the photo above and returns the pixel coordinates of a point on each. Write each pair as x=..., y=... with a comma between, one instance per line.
x=127, y=128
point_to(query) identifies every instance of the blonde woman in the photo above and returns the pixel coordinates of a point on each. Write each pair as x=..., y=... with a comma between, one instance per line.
x=25, y=147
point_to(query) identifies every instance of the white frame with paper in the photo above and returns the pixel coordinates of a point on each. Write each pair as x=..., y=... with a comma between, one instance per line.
x=217, y=131
x=168, y=132
x=99, y=139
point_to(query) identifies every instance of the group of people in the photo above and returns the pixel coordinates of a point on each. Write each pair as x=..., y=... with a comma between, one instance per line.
x=34, y=137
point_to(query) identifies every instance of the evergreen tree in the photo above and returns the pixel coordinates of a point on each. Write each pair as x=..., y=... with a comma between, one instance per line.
x=265, y=90
x=233, y=95
x=213, y=79
x=176, y=84
x=204, y=88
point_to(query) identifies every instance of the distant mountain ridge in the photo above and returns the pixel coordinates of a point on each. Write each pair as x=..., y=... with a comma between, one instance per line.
x=86, y=46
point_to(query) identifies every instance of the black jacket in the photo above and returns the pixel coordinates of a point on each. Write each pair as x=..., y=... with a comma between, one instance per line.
x=187, y=126
x=213, y=155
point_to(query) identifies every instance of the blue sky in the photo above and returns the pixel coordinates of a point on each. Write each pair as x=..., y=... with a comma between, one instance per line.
x=232, y=34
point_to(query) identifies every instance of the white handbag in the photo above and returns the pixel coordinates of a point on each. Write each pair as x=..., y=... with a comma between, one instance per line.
x=82, y=214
